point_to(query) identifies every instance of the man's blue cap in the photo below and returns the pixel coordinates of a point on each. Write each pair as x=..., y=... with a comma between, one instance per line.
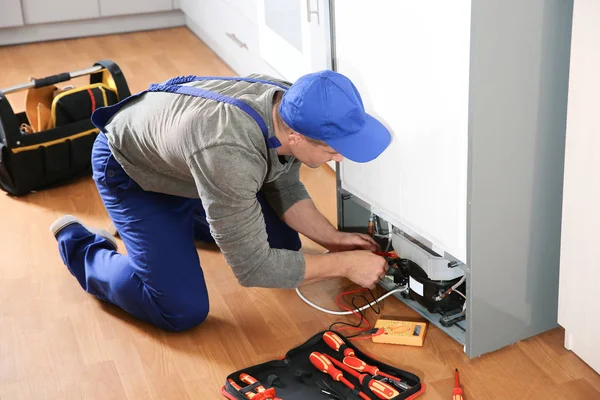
x=326, y=106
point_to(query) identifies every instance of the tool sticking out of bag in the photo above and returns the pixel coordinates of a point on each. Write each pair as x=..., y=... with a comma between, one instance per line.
x=336, y=343
x=322, y=363
x=380, y=389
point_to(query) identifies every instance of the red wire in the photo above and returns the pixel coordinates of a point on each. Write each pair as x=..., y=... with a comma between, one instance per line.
x=361, y=318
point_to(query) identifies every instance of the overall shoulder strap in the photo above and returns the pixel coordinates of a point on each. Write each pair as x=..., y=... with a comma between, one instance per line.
x=174, y=86
x=193, y=78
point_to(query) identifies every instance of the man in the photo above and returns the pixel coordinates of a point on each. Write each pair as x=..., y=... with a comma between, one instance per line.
x=217, y=159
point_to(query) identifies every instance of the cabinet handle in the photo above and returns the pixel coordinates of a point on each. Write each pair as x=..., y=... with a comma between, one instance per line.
x=309, y=11
x=236, y=40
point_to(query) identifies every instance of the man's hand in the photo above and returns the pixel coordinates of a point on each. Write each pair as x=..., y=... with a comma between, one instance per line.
x=346, y=241
x=306, y=219
x=360, y=266
x=366, y=269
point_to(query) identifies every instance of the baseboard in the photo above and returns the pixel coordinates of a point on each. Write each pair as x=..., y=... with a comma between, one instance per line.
x=91, y=27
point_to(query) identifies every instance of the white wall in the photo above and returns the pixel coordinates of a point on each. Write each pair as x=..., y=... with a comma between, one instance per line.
x=580, y=264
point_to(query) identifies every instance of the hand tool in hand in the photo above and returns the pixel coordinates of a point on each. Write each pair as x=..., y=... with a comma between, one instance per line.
x=359, y=365
x=270, y=393
x=457, y=392
x=323, y=364
x=381, y=390
x=336, y=343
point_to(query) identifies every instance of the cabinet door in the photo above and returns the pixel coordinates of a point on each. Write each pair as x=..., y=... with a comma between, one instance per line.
x=41, y=11
x=11, y=14
x=120, y=7
x=246, y=7
x=294, y=36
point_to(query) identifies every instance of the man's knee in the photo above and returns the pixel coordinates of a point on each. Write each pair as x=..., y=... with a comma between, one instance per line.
x=188, y=319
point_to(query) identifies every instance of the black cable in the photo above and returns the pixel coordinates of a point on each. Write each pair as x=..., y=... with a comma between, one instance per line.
x=347, y=323
x=376, y=302
x=362, y=317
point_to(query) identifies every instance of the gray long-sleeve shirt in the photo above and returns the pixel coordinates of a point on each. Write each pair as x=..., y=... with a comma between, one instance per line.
x=194, y=147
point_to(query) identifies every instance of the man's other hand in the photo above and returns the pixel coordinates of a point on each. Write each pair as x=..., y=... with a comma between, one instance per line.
x=365, y=268
x=346, y=241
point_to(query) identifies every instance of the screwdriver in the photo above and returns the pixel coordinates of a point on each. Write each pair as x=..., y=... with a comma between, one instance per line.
x=337, y=344
x=381, y=390
x=457, y=392
x=323, y=364
x=359, y=365
x=270, y=393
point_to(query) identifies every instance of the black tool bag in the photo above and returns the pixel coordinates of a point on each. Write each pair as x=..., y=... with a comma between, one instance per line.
x=51, y=142
x=294, y=377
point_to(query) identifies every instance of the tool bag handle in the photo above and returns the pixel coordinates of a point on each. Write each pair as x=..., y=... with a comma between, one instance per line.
x=51, y=80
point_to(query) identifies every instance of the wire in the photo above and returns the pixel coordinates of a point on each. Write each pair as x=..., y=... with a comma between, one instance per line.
x=313, y=305
x=359, y=314
x=459, y=292
x=452, y=289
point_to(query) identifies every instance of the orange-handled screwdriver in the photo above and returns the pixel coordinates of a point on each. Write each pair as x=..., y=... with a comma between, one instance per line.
x=323, y=364
x=359, y=365
x=457, y=392
x=381, y=389
x=337, y=344
x=268, y=393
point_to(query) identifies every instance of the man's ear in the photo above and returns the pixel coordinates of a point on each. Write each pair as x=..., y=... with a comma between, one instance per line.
x=295, y=138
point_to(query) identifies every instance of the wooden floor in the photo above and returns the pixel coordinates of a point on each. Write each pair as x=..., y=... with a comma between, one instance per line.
x=57, y=342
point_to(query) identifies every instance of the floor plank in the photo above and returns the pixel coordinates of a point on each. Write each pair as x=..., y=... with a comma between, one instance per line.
x=57, y=342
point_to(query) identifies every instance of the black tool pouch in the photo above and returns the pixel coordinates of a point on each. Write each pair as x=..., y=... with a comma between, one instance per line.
x=294, y=377
x=35, y=155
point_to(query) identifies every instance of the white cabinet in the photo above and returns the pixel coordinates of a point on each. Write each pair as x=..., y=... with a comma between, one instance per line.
x=42, y=11
x=120, y=7
x=294, y=35
x=580, y=266
x=10, y=13
x=227, y=28
x=246, y=7
x=285, y=39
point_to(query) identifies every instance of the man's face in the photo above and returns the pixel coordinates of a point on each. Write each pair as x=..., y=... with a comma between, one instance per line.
x=312, y=154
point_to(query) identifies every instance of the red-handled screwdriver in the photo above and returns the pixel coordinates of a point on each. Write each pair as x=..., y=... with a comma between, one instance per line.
x=381, y=389
x=457, y=391
x=269, y=393
x=337, y=344
x=322, y=363
x=362, y=366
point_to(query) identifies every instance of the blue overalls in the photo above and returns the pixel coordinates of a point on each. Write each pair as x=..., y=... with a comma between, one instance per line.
x=160, y=279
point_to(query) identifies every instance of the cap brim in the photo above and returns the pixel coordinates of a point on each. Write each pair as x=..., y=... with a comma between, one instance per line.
x=364, y=145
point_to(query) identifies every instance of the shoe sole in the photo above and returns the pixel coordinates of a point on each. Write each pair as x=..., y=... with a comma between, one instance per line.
x=67, y=220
